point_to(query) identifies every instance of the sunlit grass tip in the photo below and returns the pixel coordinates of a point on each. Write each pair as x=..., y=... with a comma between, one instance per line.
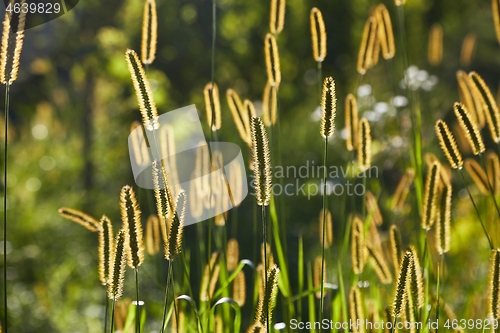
x=365, y=142
x=277, y=17
x=15, y=57
x=79, y=217
x=435, y=51
x=488, y=105
x=318, y=34
x=478, y=175
x=366, y=48
x=358, y=246
x=469, y=128
x=404, y=278
x=212, y=106
x=385, y=33
x=328, y=231
x=149, y=32
x=272, y=60
x=328, y=108
x=356, y=308
x=351, y=122
x=430, y=196
x=261, y=162
x=132, y=226
x=173, y=247
x=443, y=229
x=115, y=286
x=105, y=249
x=494, y=285
x=448, y=145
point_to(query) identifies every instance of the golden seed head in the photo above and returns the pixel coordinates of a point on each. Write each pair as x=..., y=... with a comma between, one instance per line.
x=365, y=142
x=417, y=283
x=210, y=278
x=373, y=208
x=404, y=279
x=478, y=175
x=443, y=219
x=470, y=99
x=131, y=224
x=351, y=122
x=496, y=17
x=163, y=196
x=493, y=170
x=356, y=307
x=261, y=162
x=272, y=60
x=149, y=32
x=328, y=108
x=115, y=286
x=448, y=145
x=105, y=249
x=153, y=235
x=15, y=57
x=328, y=230
x=435, y=52
x=212, y=106
x=488, y=105
x=233, y=254
x=468, y=48
x=143, y=91
x=469, y=128
x=173, y=247
x=317, y=277
x=396, y=247
x=494, y=285
x=379, y=264
x=358, y=246
x=267, y=301
x=236, y=183
x=270, y=104
x=402, y=190
x=318, y=35
x=80, y=217
x=277, y=21
x=240, y=117
x=385, y=33
x=139, y=145
x=366, y=48
x=239, y=289
x=430, y=196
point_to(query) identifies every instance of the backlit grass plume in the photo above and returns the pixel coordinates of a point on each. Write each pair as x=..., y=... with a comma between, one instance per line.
x=232, y=254
x=468, y=48
x=147, y=105
x=318, y=35
x=379, y=264
x=373, y=208
x=239, y=116
x=267, y=302
x=131, y=224
x=329, y=229
x=448, y=145
x=430, y=196
x=366, y=48
x=356, y=309
x=153, y=235
x=277, y=19
x=493, y=170
x=351, y=122
x=488, y=104
x=269, y=104
x=385, y=33
x=435, y=50
x=163, y=196
x=210, y=277
x=328, y=108
x=469, y=98
x=149, y=32
x=261, y=162
x=496, y=17
x=469, y=128
x=173, y=246
x=212, y=106
x=272, y=60
x=79, y=217
x=478, y=175
x=417, y=281
x=358, y=246
x=105, y=249
x=7, y=77
x=494, y=285
x=403, y=281
x=139, y=145
x=319, y=275
x=365, y=142
x=443, y=219
x=402, y=190
x=396, y=247
x=115, y=286
x=239, y=289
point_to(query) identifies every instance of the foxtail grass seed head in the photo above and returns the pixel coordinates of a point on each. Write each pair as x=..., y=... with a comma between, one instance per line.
x=402, y=190
x=403, y=281
x=236, y=183
x=174, y=238
x=143, y=91
x=376, y=51
x=417, y=280
x=317, y=274
x=470, y=99
x=494, y=285
x=261, y=162
x=351, y=122
x=496, y=17
x=448, y=145
x=385, y=33
x=318, y=35
x=443, y=219
x=105, y=249
x=478, y=175
x=153, y=235
x=396, y=247
x=239, y=289
x=365, y=54
x=236, y=108
x=328, y=231
x=328, y=108
x=131, y=224
x=210, y=278
x=430, y=196
x=488, y=105
x=139, y=146
x=233, y=254
x=79, y=217
x=380, y=265
x=15, y=57
x=358, y=246
x=149, y=32
x=435, y=52
x=365, y=143
x=493, y=170
x=356, y=309
x=270, y=104
x=373, y=208
x=212, y=106
x=268, y=301
x=468, y=48
x=277, y=19
x=272, y=60
x=163, y=196
x=115, y=286
x=469, y=128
